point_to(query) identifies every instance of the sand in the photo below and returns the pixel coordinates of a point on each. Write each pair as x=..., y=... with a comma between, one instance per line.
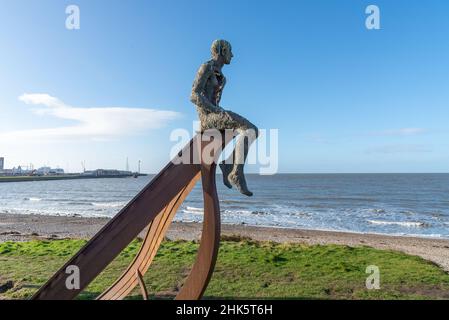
x=27, y=227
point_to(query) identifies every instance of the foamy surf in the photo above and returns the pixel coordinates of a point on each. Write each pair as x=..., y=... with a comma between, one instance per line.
x=193, y=210
x=109, y=204
x=408, y=224
x=34, y=199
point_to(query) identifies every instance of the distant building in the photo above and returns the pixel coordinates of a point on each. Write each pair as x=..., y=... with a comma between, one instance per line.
x=46, y=171
x=43, y=171
x=6, y=172
x=29, y=171
x=19, y=171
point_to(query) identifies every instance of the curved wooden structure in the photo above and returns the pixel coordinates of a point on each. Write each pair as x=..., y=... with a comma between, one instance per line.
x=154, y=207
x=150, y=245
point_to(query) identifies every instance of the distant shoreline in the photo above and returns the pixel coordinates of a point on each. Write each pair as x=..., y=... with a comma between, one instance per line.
x=29, y=227
x=5, y=179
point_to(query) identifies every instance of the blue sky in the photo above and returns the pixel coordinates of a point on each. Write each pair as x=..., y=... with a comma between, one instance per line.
x=344, y=98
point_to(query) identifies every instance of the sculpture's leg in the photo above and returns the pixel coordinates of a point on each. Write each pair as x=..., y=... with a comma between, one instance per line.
x=237, y=175
x=226, y=168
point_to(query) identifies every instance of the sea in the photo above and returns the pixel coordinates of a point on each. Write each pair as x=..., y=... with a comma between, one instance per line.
x=394, y=204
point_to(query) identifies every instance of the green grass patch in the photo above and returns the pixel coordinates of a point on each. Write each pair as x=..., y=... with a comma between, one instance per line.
x=245, y=269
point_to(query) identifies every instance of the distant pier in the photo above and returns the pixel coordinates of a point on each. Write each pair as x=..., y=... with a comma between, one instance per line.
x=64, y=177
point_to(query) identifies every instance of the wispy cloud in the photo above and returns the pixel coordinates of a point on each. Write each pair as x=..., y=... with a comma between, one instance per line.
x=400, y=148
x=401, y=132
x=90, y=123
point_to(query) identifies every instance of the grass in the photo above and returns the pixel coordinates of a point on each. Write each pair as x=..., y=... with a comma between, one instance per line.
x=245, y=269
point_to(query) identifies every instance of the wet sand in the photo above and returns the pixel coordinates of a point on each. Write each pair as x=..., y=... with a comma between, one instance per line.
x=27, y=227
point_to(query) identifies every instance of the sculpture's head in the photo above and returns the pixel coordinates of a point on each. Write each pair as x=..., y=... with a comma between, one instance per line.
x=223, y=49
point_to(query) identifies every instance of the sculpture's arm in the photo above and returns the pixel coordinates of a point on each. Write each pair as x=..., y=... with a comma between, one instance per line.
x=198, y=89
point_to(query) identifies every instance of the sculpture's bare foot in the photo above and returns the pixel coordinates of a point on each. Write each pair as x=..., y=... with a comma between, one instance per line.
x=240, y=182
x=226, y=169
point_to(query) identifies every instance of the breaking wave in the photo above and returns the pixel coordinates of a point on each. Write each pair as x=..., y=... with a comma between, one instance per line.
x=408, y=224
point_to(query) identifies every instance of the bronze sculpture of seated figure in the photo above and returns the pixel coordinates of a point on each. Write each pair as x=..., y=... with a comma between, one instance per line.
x=206, y=95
